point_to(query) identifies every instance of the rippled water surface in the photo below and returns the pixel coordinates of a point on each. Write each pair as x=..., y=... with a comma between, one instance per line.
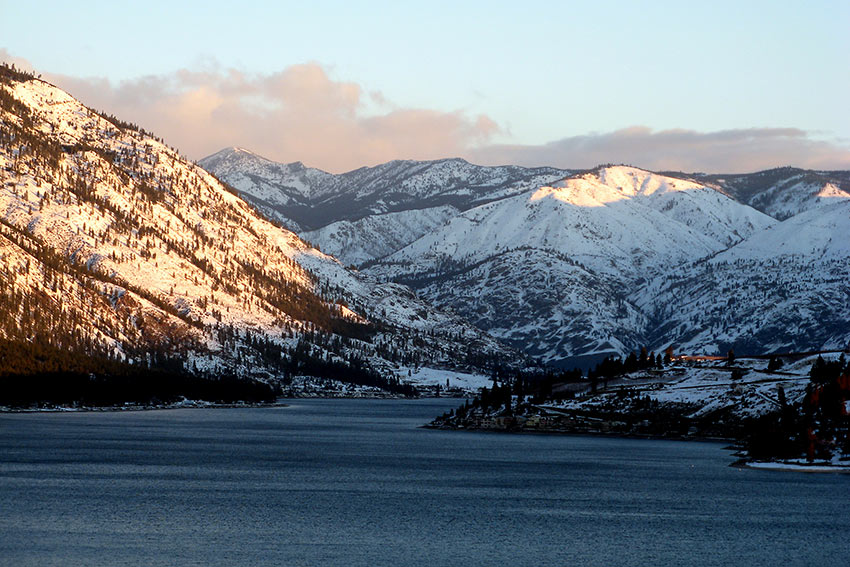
x=356, y=482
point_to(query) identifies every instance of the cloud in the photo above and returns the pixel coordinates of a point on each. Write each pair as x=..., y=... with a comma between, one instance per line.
x=724, y=151
x=18, y=62
x=298, y=114
x=302, y=114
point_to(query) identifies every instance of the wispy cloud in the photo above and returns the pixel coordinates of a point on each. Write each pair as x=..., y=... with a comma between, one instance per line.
x=301, y=113
x=726, y=151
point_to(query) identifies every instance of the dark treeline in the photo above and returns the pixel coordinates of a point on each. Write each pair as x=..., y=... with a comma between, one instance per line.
x=537, y=387
x=510, y=390
x=300, y=360
x=612, y=367
x=34, y=374
x=816, y=427
x=10, y=72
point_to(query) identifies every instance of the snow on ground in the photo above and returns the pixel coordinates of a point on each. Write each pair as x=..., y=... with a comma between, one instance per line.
x=838, y=463
x=311, y=386
x=709, y=387
x=811, y=235
x=376, y=236
x=437, y=377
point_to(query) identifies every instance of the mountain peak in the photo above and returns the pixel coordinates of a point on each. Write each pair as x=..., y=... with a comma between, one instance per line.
x=628, y=181
x=232, y=153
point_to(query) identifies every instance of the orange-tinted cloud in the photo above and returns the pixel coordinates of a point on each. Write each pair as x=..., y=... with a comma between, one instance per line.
x=299, y=114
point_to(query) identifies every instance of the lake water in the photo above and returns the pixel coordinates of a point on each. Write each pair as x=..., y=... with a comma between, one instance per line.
x=356, y=482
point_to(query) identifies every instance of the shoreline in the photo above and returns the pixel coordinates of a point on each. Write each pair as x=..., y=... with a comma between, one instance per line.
x=200, y=404
x=785, y=466
x=742, y=462
x=836, y=466
x=135, y=408
x=564, y=432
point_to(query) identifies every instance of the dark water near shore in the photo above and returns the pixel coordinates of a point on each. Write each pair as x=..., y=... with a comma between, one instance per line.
x=355, y=482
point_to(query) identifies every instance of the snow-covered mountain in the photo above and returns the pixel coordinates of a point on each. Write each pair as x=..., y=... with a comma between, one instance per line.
x=784, y=289
x=617, y=221
x=785, y=191
x=273, y=188
x=347, y=214
x=572, y=267
x=561, y=268
x=112, y=243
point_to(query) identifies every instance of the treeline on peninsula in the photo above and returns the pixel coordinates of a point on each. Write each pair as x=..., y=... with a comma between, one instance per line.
x=815, y=428
x=511, y=392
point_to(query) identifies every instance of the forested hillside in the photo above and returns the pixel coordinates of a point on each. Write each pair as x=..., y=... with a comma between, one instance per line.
x=115, y=247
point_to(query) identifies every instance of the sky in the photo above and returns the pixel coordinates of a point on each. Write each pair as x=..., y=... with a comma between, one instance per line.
x=714, y=86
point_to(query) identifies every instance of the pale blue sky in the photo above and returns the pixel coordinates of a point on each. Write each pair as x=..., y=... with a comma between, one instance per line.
x=542, y=71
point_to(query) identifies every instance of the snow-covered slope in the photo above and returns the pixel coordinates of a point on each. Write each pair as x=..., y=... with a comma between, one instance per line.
x=376, y=236
x=786, y=191
x=310, y=199
x=539, y=301
x=557, y=270
x=784, y=289
x=111, y=242
x=813, y=235
x=783, y=202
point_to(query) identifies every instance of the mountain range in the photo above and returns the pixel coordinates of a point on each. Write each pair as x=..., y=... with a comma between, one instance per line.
x=574, y=266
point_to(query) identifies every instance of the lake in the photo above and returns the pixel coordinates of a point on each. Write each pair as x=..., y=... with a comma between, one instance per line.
x=357, y=482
